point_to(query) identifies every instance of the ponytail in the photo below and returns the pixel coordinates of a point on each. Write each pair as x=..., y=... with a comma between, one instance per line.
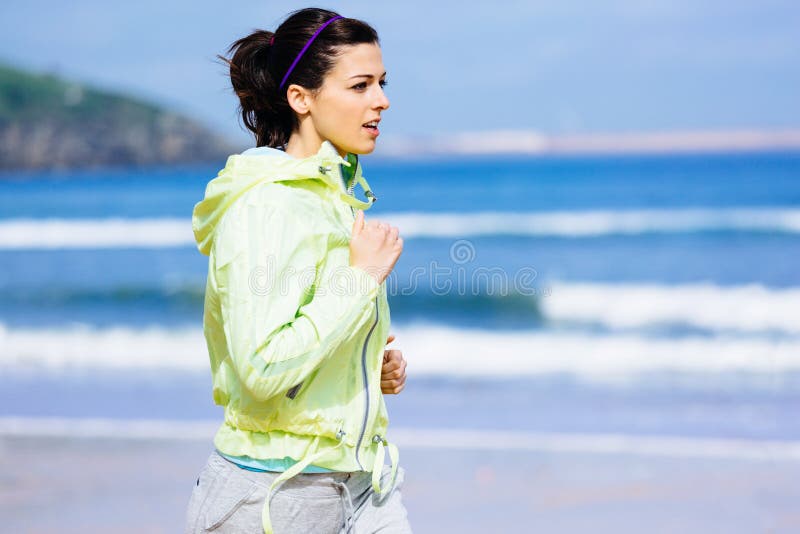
x=265, y=114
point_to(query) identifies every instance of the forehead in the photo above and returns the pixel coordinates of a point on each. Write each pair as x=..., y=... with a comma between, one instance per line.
x=358, y=59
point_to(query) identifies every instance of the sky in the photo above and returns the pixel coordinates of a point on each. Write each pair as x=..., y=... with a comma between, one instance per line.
x=557, y=67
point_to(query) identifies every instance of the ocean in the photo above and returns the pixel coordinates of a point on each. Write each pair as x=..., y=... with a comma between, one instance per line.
x=635, y=295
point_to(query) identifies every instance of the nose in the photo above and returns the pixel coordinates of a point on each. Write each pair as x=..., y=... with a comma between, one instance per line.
x=383, y=100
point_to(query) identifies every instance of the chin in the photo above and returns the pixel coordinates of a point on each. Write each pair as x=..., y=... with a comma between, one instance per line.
x=366, y=148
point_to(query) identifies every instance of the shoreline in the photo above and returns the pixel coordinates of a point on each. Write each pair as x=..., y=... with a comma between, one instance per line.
x=426, y=439
x=119, y=485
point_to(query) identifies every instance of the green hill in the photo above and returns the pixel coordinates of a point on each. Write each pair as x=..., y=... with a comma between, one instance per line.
x=49, y=122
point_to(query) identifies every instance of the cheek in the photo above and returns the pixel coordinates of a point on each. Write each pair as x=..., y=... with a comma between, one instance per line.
x=350, y=112
x=351, y=106
x=342, y=113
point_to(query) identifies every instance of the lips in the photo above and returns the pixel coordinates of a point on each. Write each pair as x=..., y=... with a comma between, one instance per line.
x=372, y=127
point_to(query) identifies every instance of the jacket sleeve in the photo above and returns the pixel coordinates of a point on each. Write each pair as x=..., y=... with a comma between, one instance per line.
x=284, y=309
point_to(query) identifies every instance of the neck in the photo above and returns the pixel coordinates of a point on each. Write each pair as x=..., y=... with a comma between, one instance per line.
x=303, y=144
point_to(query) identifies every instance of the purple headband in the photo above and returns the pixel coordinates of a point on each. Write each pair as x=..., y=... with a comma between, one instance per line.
x=303, y=51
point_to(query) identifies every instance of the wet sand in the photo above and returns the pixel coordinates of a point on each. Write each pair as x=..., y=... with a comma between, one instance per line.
x=87, y=485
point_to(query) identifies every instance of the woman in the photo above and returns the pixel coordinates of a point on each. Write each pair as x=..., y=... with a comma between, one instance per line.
x=296, y=317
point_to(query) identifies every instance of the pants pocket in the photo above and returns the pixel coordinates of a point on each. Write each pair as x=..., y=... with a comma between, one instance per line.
x=226, y=496
x=200, y=487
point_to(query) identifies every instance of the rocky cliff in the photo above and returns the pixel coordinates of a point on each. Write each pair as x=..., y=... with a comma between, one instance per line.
x=48, y=122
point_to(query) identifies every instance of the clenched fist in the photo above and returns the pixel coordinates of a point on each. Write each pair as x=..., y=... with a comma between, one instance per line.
x=393, y=371
x=374, y=247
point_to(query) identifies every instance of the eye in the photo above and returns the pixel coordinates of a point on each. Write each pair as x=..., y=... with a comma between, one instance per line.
x=363, y=85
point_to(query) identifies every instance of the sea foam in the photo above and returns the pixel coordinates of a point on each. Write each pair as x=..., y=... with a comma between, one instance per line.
x=430, y=350
x=174, y=232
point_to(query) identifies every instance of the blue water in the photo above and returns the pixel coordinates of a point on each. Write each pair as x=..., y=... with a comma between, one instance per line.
x=139, y=287
x=471, y=184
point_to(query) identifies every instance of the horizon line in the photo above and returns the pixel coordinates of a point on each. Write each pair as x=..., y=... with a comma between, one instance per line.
x=534, y=142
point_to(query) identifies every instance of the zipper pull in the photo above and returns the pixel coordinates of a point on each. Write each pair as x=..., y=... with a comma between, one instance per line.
x=292, y=393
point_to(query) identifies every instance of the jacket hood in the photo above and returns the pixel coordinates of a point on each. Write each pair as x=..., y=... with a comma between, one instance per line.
x=264, y=164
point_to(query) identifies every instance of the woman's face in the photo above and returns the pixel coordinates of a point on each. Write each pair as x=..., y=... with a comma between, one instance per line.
x=351, y=96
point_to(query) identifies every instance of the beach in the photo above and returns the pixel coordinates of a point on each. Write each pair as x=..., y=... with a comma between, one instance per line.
x=91, y=484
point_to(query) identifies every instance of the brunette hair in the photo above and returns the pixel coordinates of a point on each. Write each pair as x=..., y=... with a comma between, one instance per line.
x=260, y=60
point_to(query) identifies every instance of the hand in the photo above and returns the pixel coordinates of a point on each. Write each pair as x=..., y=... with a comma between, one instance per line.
x=374, y=247
x=393, y=371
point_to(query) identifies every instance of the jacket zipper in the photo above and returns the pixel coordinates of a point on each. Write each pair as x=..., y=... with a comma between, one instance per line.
x=364, y=374
x=352, y=186
x=366, y=383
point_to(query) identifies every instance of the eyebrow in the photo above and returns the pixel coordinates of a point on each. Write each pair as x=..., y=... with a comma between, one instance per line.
x=365, y=76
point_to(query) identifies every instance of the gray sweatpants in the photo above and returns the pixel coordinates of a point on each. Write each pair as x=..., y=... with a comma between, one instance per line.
x=227, y=498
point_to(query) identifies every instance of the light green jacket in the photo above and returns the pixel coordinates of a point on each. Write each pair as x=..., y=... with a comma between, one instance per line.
x=295, y=334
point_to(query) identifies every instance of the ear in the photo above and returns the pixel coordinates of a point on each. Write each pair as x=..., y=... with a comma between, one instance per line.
x=299, y=99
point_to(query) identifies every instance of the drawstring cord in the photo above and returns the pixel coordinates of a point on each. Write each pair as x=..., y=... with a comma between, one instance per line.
x=377, y=466
x=266, y=522
x=377, y=469
x=347, y=504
